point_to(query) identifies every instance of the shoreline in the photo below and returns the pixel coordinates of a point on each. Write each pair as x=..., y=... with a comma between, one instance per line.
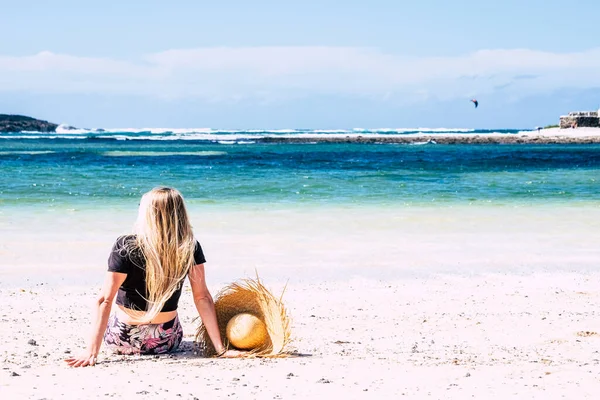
x=544, y=136
x=336, y=241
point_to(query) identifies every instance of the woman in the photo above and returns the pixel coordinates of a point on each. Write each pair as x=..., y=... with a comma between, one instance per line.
x=146, y=272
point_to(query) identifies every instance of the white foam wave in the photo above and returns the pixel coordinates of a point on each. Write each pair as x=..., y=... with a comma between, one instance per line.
x=191, y=136
x=269, y=130
x=232, y=136
x=422, y=130
x=225, y=138
x=449, y=130
x=69, y=130
x=335, y=135
x=63, y=129
x=422, y=143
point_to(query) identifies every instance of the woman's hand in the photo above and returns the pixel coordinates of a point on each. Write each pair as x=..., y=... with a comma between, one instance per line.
x=112, y=283
x=83, y=360
x=232, y=354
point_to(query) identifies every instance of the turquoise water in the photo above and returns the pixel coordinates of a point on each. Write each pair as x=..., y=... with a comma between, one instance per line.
x=98, y=169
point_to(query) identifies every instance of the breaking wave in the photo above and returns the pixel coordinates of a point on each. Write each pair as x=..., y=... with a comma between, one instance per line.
x=224, y=136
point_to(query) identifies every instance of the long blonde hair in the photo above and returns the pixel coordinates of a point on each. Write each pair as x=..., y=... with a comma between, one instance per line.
x=165, y=238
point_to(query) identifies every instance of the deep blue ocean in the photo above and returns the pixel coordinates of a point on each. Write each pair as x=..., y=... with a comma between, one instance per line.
x=233, y=167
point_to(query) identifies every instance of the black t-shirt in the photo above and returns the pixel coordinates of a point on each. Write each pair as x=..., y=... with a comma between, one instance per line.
x=132, y=293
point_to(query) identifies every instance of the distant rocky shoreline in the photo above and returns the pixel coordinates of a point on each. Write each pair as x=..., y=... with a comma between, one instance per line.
x=21, y=123
x=443, y=139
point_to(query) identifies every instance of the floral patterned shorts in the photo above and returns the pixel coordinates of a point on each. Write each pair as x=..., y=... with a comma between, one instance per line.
x=123, y=338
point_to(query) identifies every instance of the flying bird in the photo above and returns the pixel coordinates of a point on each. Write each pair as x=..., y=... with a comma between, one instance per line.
x=474, y=101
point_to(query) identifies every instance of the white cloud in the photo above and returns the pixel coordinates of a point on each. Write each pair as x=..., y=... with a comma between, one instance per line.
x=272, y=73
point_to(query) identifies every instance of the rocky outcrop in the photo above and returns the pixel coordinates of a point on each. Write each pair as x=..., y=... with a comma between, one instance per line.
x=446, y=139
x=20, y=123
x=580, y=119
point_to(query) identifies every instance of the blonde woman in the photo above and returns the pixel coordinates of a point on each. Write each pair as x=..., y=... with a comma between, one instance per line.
x=146, y=272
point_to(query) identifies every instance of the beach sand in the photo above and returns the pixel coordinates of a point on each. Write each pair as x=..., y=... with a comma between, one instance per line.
x=421, y=302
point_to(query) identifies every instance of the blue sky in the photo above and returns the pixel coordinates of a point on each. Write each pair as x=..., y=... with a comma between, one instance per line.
x=309, y=64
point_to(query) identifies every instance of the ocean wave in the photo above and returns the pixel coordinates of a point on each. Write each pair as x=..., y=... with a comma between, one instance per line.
x=191, y=136
x=447, y=130
x=118, y=153
x=63, y=129
x=40, y=136
x=267, y=130
x=68, y=130
x=430, y=141
x=415, y=130
x=238, y=136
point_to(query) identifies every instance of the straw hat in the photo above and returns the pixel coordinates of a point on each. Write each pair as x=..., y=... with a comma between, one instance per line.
x=249, y=318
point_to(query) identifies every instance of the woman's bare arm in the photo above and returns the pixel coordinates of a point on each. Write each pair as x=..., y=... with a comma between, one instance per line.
x=103, y=305
x=206, y=309
x=205, y=305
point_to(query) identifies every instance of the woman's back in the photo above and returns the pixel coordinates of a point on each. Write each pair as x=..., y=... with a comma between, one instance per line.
x=125, y=257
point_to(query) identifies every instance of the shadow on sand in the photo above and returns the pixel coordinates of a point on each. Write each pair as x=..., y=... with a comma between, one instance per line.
x=187, y=350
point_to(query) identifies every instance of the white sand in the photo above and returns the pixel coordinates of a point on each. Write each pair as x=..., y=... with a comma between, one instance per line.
x=554, y=132
x=551, y=132
x=489, y=302
x=579, y=132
